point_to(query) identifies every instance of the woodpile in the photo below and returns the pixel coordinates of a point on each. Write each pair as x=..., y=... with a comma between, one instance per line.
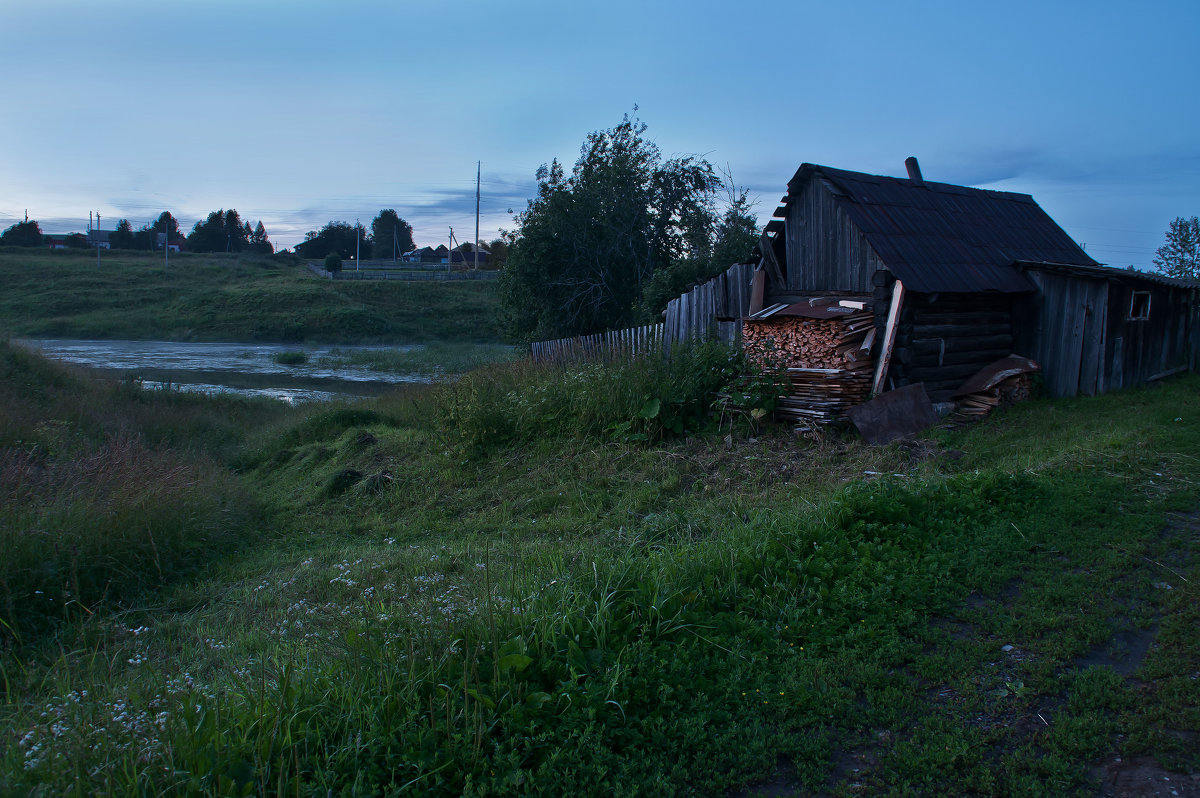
x=827, y=362
x=974, y=406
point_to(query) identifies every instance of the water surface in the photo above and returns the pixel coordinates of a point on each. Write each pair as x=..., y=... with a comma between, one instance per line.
x=248, y=369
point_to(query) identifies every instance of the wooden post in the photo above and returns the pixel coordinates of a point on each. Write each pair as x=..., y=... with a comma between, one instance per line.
x=767, y=245
x=889, y=337
x=756, y=290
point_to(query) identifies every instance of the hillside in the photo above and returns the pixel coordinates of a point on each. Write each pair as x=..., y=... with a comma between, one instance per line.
x=131, y=295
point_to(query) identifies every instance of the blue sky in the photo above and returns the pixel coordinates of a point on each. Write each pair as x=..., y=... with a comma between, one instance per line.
x=297, y=113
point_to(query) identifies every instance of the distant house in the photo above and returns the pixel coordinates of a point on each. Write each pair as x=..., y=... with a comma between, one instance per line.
x=436, y=254
x=465, y=254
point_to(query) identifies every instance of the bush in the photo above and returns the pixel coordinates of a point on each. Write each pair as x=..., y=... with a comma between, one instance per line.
x=639, y=399
x=333, y=262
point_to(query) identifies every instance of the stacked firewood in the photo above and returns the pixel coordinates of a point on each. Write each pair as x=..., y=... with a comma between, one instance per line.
x=827, y=362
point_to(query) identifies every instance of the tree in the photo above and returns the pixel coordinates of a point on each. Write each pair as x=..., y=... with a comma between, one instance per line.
x=22, y=234
x=498, y=253
x=1180, y=255
x=122, y=237
x=391, y=236
x=736, y=235
x=585, y=248
x=333, y=263
x=336, y=237
x=259, y=242
x=222, y=231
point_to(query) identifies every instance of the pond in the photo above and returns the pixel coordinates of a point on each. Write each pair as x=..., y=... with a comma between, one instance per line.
x=288, y=372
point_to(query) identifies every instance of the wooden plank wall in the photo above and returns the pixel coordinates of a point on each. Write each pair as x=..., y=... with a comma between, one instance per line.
x=825, y=250
x=1141, y=349
x=1070, y=333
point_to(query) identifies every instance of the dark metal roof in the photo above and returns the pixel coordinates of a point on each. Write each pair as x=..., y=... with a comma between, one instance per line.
x=1110, y=273
x=938, y=237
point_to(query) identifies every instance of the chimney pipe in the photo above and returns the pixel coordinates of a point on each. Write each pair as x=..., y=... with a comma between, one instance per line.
x=914, y=170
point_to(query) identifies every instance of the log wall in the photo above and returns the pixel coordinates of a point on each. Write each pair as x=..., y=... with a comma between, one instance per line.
x=944, y=339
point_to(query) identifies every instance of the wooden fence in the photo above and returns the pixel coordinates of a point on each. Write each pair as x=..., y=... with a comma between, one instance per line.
x=611, y=345
x=712, y=310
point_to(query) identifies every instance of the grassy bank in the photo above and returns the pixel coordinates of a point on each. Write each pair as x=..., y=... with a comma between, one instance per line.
x=63, y=294
x=523, y=584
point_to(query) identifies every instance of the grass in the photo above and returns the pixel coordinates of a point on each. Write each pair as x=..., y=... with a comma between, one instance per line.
x=446, y=600
x=433, y=359
x=63, y=294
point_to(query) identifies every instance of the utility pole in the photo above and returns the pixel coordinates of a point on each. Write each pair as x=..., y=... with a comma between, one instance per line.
x=97, y=239
x=357, y=238
x=166, y=243
x=450, y=251
x=478, y=166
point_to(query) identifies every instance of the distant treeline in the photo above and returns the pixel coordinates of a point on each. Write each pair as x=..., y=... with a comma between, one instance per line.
x=225, y=231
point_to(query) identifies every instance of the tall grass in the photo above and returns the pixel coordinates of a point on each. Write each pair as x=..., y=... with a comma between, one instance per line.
x=641, y=398
x=99, y=499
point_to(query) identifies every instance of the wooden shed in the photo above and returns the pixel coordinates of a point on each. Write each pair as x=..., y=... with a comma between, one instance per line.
x=960, y=277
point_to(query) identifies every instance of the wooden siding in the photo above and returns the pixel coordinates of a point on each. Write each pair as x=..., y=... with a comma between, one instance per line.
x=1079, y=329
x=1068, y=336
x=826, y=251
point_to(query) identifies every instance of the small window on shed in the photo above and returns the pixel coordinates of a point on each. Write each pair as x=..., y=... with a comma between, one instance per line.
x=1139, y=306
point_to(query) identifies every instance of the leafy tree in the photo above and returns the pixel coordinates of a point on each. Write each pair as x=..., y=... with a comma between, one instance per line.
x=333, y=263
x=222, y=231
x=122, y=237
x=734, y=236
x=22, y=234
x=588, y=244
x=737, y=234
x=336, y=237
x=499, y=253
x=77, y=241
x=170, y=225
x=1180, y=255
x=390, y=235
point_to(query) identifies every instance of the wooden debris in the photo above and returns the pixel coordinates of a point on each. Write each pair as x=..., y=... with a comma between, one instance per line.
x=974, y=406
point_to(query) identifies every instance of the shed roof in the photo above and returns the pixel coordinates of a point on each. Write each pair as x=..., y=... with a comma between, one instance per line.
x=939, y=237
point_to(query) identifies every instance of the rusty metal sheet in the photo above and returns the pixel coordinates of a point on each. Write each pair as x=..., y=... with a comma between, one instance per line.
x=895, y=414
x=990, y=376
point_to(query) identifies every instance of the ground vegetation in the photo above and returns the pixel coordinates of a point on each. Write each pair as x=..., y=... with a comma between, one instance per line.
x=573, y=580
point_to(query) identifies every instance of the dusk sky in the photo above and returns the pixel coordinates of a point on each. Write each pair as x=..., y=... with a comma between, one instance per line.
x=298, y=113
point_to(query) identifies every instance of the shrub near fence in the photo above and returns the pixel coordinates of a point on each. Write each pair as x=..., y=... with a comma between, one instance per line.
x=600, y=347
